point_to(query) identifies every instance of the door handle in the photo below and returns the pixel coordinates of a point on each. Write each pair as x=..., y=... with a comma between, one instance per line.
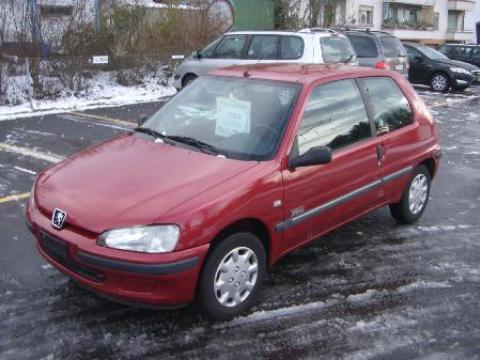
x=380, y=151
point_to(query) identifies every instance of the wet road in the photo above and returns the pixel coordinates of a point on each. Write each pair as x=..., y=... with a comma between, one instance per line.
x=371, y=290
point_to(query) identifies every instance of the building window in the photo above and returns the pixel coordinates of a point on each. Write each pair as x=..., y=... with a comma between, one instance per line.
x=365, y=15
x=55, y=10
x=455, y=20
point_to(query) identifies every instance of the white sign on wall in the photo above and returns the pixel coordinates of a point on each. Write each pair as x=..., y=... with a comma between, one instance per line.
x=101, y=59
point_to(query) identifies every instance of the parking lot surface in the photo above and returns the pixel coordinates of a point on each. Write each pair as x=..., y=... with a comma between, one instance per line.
x=370, y=290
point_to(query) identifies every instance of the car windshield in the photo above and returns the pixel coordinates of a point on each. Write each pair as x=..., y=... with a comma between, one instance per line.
x=432, y=54
x=240, y=118
x=337, y=49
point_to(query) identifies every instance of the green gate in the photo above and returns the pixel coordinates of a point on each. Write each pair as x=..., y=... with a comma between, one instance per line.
x=253, y=14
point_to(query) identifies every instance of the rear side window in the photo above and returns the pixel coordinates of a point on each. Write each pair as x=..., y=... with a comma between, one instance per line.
x=391, y=110
x=291, y=47
x=335, y=116
x=392, y=47
x=412, y=54
x=231, y=47
x=364, y=46
x=476, y=53
x=336, y=49
x=263, y=47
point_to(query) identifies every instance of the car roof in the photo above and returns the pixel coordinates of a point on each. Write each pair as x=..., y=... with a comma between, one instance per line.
x=374, y=33
x=295, y=72
x=302, y=32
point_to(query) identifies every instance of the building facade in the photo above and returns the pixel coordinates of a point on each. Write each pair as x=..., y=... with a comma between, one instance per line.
x=432, y=22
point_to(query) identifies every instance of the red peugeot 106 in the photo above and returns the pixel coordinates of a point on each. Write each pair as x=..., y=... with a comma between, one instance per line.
x=234, y=172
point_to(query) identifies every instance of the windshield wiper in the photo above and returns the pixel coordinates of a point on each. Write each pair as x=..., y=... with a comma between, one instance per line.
x=154, y=133
x=202, y=146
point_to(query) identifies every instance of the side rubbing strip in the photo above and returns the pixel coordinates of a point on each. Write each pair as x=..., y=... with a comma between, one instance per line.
x=284, y=225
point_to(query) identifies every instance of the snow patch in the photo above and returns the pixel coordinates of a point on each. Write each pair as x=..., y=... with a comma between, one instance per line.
x=103, y=92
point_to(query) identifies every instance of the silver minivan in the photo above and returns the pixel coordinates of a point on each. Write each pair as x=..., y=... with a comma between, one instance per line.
x=379, y=49
x=311, y=46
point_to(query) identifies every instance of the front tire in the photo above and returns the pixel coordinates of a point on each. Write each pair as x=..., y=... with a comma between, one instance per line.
x=440, y=82
x=415, y=197
x=232, y=276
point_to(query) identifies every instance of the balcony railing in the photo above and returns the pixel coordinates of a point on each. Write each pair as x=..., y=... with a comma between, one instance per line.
x=394, y=24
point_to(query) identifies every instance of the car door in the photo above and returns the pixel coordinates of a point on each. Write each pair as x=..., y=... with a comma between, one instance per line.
x=420, y=68
x=395, y=129
x=317, y=198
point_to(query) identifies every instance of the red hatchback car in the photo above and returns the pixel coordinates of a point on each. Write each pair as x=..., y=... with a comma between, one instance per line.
x=237, y=170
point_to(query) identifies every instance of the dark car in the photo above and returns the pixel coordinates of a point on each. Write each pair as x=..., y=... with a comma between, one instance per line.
x=430, y=67
x=239, y=169
x=378, y=49
x=466, y=53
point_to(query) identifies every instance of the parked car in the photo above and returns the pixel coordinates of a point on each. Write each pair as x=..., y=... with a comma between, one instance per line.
x=430, y=67
x=236, y=171
x=466, y=53
x=310, y=46
x=378, y=49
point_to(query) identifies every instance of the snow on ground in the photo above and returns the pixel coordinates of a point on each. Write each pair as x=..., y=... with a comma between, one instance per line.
x=104, y=92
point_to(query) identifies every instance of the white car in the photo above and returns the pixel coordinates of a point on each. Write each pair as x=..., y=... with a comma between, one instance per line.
x=310, y=46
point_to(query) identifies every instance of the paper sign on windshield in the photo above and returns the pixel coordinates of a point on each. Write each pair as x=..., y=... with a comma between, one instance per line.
x=233, y=117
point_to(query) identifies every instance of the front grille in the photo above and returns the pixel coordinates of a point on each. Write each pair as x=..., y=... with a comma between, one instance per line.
x=57, y=250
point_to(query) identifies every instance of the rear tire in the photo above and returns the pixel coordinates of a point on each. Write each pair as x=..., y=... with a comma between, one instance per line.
x=414, y=199
x=440, y=82
x=231, y=276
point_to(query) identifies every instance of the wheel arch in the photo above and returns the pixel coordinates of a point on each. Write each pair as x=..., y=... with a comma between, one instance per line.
x=186, y=76
x=250, y=225
x=431, y=166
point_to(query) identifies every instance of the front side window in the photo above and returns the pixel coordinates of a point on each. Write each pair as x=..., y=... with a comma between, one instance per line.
x=263, y=47
x=335, y=116
x=239, y=118
x=390, y=107
x=210, y=49
x=337, y=49
x=231, y=47
x=291, y=47
x=364, y=46
x=412, y=54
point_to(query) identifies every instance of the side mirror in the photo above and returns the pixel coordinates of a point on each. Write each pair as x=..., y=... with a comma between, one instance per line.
x=314, y=156
x=418, y=59
x=197, y=54
x=141, y=120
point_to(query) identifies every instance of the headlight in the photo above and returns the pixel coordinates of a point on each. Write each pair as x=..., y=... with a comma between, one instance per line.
x=148, y=239
x=460, y=70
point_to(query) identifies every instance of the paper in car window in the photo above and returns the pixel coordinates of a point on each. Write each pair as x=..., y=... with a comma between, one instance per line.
x=233, y=116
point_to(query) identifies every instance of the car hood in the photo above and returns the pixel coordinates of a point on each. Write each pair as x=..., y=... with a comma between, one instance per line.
x=461, y=64
x=129, y=181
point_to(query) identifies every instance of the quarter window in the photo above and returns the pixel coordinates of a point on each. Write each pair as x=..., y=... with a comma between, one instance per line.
x=391, y=110
x=263, y=47
x=231, y=47
x=337, y=49
x=291, y=47
x=335, y=116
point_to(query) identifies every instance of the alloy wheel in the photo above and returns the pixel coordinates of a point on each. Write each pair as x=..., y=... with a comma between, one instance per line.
x=418, y=192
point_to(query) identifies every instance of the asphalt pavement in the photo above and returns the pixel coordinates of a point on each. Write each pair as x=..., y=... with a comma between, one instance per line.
x=370, y=290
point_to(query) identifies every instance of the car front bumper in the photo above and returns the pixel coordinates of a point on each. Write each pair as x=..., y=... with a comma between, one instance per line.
x=461, y=80
x=150, y=280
